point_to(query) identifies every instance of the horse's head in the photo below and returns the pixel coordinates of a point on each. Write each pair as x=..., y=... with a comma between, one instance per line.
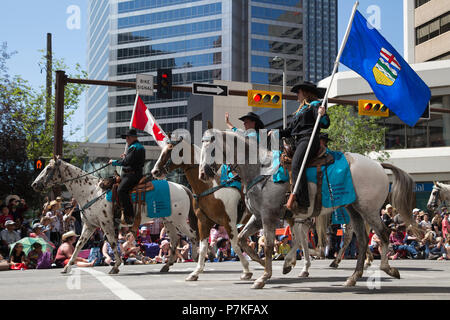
x=206, y=171
x=433, y=202
x=107, y=183
x=164, y=164
x=49, y=177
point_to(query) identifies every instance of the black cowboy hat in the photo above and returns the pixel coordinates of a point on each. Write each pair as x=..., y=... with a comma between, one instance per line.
x=324, y=136
x=130, y=133
x=253, y=116
x=311, y=87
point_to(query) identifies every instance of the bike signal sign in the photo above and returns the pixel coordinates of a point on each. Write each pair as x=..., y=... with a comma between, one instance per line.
x=39, y=165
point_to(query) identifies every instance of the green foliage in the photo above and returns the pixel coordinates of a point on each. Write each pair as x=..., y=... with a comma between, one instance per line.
x=353, y=133
x=24, y=135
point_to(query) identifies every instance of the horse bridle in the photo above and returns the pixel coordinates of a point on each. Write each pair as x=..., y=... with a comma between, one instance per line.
x=436, y=195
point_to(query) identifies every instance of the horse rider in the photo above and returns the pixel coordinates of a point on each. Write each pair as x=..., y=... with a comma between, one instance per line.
x=252, y=123
x=132, y=163
x=301, y=128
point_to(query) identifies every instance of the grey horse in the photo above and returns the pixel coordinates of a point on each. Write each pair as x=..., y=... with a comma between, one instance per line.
x=265, y=199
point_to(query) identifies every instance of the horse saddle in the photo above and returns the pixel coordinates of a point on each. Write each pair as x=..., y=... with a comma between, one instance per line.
x=322, y=158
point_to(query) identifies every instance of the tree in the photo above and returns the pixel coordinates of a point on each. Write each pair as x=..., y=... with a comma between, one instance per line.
x=23, y=134
x=351, y=132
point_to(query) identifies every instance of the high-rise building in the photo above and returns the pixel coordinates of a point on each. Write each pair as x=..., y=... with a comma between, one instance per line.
x=427, y=30
x=201, y=41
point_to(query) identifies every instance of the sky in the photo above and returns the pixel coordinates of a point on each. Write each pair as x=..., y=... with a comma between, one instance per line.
x=24, y=25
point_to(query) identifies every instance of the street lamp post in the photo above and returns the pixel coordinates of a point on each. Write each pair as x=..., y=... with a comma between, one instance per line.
x=277, y=59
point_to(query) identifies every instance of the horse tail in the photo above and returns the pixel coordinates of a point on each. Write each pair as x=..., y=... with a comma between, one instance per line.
x=402, y=196
x=193, y=223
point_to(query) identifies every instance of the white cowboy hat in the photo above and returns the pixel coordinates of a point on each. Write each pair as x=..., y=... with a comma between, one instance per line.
x=11, y=196
x=68, y=235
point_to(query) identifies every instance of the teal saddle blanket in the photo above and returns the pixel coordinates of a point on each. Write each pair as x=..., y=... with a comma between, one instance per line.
x=340, y=181
x=157, y=200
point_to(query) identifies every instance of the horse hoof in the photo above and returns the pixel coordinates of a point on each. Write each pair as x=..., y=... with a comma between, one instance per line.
x=286, y=270
x=258, y=284
x=304, y=274
x=393, y=272
x=192, y=277
x=114, y=271
x=350, y=283
x=246, y=276
x=164, y=269
x=334, y=265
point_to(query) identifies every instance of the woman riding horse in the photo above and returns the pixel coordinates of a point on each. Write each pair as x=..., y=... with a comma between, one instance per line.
x=301, y=128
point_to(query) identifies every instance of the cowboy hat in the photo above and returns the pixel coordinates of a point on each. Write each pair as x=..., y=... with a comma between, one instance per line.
x=68, y=235
x=9, y=222
x=130, y=133
x=254, y=117
x=324, y=136
x=11, y=196
x=311, y=87
x=37, y=225
x=53, y=203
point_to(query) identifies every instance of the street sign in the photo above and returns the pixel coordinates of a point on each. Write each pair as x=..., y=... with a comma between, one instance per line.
x=144, y=84
x=210, y=89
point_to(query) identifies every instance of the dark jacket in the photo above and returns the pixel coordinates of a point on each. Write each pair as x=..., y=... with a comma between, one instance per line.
x=302, y=123
x=134, y=159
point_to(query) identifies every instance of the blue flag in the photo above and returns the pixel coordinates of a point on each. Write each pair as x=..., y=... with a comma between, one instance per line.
x=391, y=78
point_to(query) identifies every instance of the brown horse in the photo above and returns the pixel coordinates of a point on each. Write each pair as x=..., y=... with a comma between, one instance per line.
x=213, y=204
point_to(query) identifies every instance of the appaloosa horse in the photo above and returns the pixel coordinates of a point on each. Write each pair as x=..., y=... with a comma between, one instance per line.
x=265, y=199
x=86, y=189
x=213, y=205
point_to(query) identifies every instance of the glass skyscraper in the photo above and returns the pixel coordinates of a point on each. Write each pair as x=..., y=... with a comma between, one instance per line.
x=200, y=41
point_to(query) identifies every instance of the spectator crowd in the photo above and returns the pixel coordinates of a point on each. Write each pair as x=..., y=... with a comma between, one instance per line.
x=45, y=238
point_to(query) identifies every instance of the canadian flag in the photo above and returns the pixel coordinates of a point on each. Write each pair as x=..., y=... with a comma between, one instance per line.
x=143, y=120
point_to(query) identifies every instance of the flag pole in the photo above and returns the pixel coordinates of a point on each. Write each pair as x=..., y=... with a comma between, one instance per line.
x=324, y=102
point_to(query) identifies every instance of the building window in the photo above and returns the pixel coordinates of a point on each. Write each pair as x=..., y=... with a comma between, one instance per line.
x=433, y=28
x=421, y=2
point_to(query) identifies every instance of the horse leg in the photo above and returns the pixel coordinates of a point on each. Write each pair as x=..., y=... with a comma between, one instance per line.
x=204, y=229
x=369, y=254
x=252, y=226
x=348, y=236
x=112, y=239
x=232, y=232
x=86, y=233
x=173, y=237
x=269, y=240
x=363, y=241
x=303, y=233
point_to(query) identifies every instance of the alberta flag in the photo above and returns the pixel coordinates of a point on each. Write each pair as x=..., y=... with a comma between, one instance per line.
x=143, y=120
x=391, y=78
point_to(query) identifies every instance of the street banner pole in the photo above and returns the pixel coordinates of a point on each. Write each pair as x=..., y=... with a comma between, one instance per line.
x=324, y=102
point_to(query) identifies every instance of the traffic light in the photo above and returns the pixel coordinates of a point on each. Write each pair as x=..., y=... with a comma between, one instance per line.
x=372, y=108
x=164, y=81
x=39, y=165
x=267, y=99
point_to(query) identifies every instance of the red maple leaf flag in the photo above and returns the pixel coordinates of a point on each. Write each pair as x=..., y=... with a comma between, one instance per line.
x=143, y=120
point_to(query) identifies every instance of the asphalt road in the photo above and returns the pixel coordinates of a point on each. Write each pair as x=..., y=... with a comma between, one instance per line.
x=420, y=280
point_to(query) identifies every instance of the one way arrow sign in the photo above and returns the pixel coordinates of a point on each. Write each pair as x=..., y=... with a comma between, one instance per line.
x=210, y=89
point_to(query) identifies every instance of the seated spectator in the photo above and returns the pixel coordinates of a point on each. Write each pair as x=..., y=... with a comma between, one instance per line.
x=425, y=223
x=261, y=246
x=4, y=215
x=108, y=253
x=17, y=260
x=164, y=252
x=37, y=232
x=144, y=236
x=436, y=223
x=283, y=248
x=4, y=264
x=8, y=236
x=183, y=250
x=131, y=252
x=66, y=250
x=34, y=255
x=396, y=240
x=223, y=249
x=428, y=242
x=446, y=254
x=375, y=244
x=445, y=223
x=163, y=234
x=387, y=215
